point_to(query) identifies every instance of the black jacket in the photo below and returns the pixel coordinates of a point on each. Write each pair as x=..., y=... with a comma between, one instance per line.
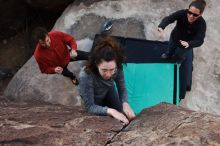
x=193, y=33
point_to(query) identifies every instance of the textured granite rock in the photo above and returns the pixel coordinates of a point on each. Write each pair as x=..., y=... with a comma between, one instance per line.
x=48, y=124
x=168, y=125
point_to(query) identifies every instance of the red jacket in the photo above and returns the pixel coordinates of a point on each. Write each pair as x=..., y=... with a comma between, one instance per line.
x=57, y=55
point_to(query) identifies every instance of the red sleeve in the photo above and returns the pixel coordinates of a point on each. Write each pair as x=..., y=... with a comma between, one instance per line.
x=44, y=68
x=68, y=39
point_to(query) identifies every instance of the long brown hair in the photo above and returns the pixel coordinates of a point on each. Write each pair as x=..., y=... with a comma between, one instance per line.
x=107, y=49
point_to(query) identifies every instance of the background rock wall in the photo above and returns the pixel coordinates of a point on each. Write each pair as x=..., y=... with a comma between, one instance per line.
x=205, y=94
x=139, y=19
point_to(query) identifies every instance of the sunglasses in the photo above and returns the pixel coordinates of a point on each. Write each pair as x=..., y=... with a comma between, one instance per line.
x=191, y=13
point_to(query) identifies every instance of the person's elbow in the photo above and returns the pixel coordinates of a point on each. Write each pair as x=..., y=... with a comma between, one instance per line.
x=89, y=109
x=200, y=42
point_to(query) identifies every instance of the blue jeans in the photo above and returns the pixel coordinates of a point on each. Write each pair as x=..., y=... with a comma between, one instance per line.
x=186, y=65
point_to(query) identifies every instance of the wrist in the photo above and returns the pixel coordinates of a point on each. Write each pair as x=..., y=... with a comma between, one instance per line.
x=124, y=103
x=110, y=111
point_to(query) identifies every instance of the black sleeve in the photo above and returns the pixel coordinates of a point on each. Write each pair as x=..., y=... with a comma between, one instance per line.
x=171, y=18
x=198, y=39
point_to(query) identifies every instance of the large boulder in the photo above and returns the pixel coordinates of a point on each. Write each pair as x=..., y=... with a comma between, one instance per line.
x=164, y=124
x=139, y=19
x=30, y=84
x=47, y=124
x=205, y=95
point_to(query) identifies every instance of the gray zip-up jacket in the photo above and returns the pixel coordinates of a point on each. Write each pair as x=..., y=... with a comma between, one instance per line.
x=92, y=86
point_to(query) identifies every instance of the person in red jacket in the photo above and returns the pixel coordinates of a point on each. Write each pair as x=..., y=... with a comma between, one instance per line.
x=55, y=50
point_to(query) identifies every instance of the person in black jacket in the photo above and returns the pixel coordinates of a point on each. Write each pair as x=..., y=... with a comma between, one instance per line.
x=189, y=31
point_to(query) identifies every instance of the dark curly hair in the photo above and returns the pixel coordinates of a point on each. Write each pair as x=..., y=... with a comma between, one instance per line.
x=199, y=4
x=107, y=49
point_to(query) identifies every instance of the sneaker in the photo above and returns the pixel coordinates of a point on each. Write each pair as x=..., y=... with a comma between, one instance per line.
x=106, y=26
x=166, y=55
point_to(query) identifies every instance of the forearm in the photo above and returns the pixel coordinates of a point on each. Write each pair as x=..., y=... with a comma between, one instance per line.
x=195, y=43
x=166, y=21
x=163, y=24
x=86, y=90
x=198, y=39
x=47, y=69
x=120, y=83
x=170, y=19
x=50, y=71
x=96, y=109
x=90, y=106
x=71, y=42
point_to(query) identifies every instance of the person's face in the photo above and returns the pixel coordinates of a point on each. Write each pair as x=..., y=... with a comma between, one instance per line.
x=46, y=42
x=193, y=14
x=107, y=69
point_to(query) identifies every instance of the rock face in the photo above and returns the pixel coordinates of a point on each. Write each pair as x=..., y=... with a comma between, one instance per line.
x=143, y=18
x=166, y=124
x=46, y=124
x=30, y=84
x=139, y=19
x=18, y=18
